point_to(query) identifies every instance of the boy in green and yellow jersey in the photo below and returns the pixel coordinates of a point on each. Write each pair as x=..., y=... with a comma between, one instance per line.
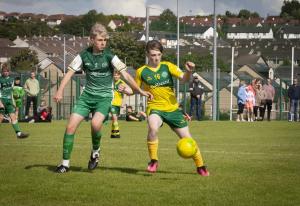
x=120, y=88
x=157, y=78
x=6, y=101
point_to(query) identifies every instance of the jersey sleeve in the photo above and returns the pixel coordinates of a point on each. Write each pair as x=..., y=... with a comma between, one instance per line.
x=174, y=70
x=138, y=77
x=76, y=64
x=118, y=64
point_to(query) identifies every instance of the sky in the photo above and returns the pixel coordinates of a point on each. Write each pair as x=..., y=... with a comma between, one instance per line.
x=137, y=8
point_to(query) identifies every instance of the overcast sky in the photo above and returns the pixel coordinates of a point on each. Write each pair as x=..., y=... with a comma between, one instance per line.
x=137, y=7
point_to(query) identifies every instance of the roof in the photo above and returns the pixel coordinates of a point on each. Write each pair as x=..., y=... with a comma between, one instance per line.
x=249, y=29
x=196, y=29
x=291, y=29
x=284, y=72
x=4, y=42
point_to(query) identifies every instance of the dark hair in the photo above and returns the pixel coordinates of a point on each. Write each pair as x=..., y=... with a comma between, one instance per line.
x=17, y=78
x=154, y=45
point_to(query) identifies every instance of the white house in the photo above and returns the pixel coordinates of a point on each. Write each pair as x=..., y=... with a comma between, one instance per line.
x=291, y=32
x=248, y=32
x=199, y=32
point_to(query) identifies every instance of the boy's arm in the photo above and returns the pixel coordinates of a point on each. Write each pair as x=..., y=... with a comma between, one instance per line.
x=59, y=94
x=189, y=66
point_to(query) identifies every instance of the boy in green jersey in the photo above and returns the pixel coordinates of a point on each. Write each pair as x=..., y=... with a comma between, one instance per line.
x=6, y=102
x=98, y=63
x=18, y=94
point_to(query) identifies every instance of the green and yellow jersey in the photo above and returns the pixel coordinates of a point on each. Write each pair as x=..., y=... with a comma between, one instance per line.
x=118, y=96
x=159, y=81
x=6, y=87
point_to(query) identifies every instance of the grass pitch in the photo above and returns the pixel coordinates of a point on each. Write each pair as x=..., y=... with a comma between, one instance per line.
x=250, y=164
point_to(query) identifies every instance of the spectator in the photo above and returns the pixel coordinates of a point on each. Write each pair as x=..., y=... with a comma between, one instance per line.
x=134, y=116
x=260, y=99
x=18, y=94
x=270, y=94
x=196, y=91
x=241, y=102
x=32, y=89
x=250, y=101
x=294, y=95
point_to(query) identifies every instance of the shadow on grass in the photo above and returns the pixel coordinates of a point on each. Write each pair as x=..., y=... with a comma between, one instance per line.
x=126, y=170
x=52, y=168
x=140, y=172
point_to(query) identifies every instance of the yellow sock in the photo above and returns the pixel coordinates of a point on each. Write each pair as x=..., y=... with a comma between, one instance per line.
x=152, y=149
x=198, y=158
x=115, y=126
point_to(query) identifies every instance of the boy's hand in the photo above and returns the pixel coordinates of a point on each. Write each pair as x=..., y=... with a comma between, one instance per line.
x=189, y=66
x=58, y=96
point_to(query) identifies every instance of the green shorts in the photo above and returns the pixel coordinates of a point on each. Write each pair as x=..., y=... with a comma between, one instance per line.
x=115, y=110
x=174, y=119
x=18, y=103
x=87, y=104
x=8, y=106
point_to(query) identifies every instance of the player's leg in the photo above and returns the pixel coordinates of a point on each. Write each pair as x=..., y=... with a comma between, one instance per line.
x=96, y=125
x=10, y=109
x=154, y=123
x=102, y=109
x=115, y=131
x=16, y=126
x=197, y=157
x=179, y=125
x=68, y=141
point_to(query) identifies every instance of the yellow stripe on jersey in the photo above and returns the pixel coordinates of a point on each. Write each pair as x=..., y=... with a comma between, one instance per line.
x=159, y=82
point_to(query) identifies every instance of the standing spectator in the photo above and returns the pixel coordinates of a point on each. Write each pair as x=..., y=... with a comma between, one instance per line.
x=18, y=94
x=196, y=91
x=32, y=89
x=241, y=101
x=294, y=95
x=250, y=102
x=270, y=94
x=260, y=99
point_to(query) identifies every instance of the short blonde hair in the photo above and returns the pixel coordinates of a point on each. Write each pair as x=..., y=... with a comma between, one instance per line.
x=98, y=29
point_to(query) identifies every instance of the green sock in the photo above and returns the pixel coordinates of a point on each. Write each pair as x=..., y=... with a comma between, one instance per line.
x=96, y=138
x=68, y=146
x=16, y=127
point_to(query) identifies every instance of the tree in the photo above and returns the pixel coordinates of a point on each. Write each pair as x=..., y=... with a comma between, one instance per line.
x=128, y=49
x=229, y=14
x=25, y=60
x=290, y=9
x=167, y=22
x=244, y=13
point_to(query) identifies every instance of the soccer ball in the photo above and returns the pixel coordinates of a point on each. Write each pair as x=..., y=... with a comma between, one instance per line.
x=186, y=147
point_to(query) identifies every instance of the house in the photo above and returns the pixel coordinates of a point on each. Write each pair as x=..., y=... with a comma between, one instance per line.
x=2, y=15
x=55, y=20
x=291, y=32
x=11, y=16
x=27, y=16
x=250, y=32
x=199, y=32
x=41, y=17
x=275, y=20
x=114, y=24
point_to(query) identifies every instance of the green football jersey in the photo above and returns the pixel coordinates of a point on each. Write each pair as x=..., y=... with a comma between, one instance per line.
x=18, y=92
x=98, y=70
x=6, y=87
